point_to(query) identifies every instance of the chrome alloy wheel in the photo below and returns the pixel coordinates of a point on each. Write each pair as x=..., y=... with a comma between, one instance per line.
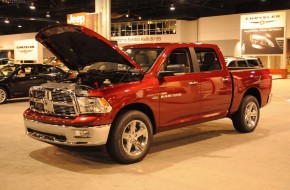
x=251, y=114
x=3, y=95
x=135, y=138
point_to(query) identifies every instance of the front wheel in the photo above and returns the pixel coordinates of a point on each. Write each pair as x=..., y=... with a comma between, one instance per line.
x=130, y=137
x=3, y=95
x=247, y=117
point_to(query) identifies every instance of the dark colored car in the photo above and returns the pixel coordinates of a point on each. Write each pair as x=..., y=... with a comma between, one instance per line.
x=16, y=79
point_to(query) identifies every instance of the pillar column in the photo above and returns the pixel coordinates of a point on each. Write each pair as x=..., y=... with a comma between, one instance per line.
x=103, y=9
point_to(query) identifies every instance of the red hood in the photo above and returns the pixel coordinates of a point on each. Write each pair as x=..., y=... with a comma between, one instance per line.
x=77, y=47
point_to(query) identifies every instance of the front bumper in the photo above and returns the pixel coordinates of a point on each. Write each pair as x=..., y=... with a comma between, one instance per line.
x=67, y=135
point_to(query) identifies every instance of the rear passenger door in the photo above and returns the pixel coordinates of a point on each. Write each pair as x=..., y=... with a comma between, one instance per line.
x=214, y=83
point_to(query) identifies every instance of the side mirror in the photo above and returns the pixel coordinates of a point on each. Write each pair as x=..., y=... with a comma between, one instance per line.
x=162, y=74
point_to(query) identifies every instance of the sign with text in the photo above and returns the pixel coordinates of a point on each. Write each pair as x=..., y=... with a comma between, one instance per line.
x=77, y=19
x=263, y=33
x=26, y=49
x=146, y=39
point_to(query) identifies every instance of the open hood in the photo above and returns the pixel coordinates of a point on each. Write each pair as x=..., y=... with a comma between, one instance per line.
x=77, y=47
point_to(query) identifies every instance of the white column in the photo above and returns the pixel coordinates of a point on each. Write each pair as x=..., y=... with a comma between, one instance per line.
x=103, y=9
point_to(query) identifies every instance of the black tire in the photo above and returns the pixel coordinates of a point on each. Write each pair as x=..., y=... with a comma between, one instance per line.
x=130, y=137
x=3, y=95
x=247, y=117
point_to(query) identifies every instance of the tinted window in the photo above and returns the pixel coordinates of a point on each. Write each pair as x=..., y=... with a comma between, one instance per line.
x=242, y=63
x=253, y=63
x=207, y=59
x=232, y=64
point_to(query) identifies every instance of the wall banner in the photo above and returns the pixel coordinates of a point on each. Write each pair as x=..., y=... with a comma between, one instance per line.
x=26, y=49
x=263, y=33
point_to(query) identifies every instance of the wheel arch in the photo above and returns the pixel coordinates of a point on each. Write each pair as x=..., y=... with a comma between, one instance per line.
x=254, y=92
x=7, y=90
x=142, y=108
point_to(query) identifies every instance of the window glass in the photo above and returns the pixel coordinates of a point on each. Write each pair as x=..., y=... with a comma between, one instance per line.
x=178, y=61
x=207, y=59
x=145, y=57
x=160, y=27
x=242, y=63
x=232, y=64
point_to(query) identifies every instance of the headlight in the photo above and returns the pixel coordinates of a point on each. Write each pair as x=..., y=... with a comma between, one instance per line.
x=93, y=105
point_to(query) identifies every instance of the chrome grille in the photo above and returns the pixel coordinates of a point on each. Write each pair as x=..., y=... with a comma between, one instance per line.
x=58, y=102
x=62, y=96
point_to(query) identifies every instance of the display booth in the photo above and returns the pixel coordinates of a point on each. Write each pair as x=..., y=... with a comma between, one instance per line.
x=264, y=35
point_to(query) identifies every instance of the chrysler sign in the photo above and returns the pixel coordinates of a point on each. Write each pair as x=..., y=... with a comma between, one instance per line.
x=26, y=49
x=263, y=20
x=263, y=33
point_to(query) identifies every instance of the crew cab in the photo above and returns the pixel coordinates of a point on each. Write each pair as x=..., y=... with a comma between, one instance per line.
x=121, y=98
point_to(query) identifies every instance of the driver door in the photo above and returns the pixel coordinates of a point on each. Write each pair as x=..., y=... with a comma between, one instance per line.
x=178, y=94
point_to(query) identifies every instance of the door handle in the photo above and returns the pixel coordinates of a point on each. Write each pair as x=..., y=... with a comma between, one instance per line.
x=226, y=79
x=192, y=82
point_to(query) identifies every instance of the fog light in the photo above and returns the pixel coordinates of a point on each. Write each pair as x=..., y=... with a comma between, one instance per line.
x=82, y=134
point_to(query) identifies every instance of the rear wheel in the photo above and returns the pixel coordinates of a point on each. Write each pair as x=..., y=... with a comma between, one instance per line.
x=247, y=117
x=130, y=137
x=3, y=95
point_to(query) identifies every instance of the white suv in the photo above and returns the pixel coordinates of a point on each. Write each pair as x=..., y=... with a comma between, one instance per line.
x=254, y=62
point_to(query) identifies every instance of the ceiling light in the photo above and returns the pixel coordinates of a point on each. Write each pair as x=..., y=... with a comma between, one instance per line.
x=32, y=7
x=6, y=21
x=139, y=17
x=172, y=8
x=128, y=13
x=19, y=26
x=47, y=15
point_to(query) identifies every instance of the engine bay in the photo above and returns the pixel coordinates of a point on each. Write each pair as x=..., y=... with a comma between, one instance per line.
x=104, y=75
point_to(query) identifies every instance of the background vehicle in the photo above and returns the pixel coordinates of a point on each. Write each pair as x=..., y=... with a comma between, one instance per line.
x=243, y=62
x=128, y=96
x=236, y=62
x=16, y=79
x=254, y=62
x=5, y=61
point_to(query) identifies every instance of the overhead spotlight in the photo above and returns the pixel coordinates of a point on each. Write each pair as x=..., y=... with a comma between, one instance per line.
x=19, y=26
x=172, y=8
x=32, y=7
x=6, y=21
x=139, y=17
x=128, y=13
x=47, y=14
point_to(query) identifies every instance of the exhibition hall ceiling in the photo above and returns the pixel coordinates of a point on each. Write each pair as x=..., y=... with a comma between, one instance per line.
x=23, y=19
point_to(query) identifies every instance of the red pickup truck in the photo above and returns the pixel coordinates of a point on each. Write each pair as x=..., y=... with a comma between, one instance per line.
x=121, y=98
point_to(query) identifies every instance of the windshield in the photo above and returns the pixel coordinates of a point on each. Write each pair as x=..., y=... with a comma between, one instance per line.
x=7, y=70
x=106, y=67
x=145, y=57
